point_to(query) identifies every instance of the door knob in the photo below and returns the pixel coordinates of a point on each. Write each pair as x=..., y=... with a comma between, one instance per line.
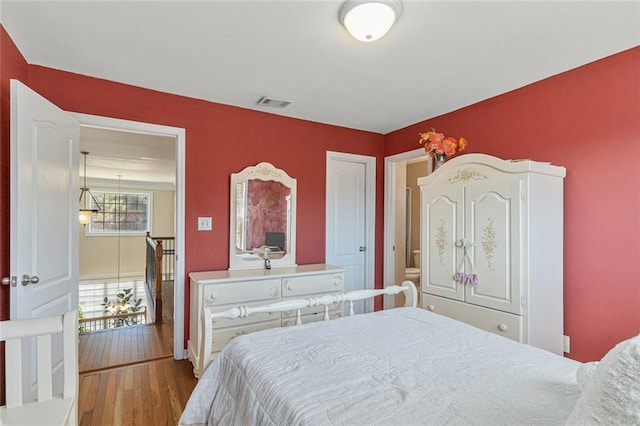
x=362, y=248
x=26, y=279
x=10, y=281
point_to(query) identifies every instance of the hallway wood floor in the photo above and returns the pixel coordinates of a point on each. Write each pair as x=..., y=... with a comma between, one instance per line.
x=128, y=345
x=148, y=393
x=128, y=375
x=124, y=346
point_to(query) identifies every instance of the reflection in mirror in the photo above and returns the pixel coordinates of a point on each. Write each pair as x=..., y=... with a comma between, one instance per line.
x=262, y=225
x=263, y=210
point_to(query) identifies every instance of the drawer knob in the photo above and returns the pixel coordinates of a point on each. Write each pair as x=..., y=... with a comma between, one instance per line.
x=337, y=280
x=503, y=327
x=274, y=292
x=286, y=283
x=430, y=307
x=210, y=300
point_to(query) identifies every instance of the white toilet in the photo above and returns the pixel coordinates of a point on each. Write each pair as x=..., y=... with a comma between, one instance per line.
x=413, y=274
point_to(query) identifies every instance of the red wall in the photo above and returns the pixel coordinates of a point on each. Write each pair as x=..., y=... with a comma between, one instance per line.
x=588, y=120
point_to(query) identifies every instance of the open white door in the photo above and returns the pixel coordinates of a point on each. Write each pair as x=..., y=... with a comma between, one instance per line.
x=44, y=211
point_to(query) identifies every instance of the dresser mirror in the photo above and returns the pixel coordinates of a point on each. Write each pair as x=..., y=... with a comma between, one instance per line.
x=262, y=229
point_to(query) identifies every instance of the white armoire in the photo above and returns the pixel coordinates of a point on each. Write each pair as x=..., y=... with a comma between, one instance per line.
x=492, y=246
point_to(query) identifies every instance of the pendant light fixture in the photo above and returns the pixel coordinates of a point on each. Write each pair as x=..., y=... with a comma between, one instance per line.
x=369, y=20
x=88, y=204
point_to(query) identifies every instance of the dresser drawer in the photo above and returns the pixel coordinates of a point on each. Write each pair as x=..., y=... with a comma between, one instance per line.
x=223, y=336
x=310, y=309
x=309, y=284
x=240, y=293
x=250, y=319
x=310, y=318
x=502, y=323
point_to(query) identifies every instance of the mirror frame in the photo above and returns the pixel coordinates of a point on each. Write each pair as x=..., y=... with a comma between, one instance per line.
x=265, y=172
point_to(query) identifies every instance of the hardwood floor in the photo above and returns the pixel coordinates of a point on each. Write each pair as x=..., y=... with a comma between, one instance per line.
x=147, y=393
x=128, y=345
x=128, y=375
x=124, y=346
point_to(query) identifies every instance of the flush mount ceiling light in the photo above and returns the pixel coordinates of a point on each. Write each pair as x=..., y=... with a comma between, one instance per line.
x=369, y=20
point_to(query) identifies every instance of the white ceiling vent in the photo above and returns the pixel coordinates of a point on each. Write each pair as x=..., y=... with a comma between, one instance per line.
x=273, y=102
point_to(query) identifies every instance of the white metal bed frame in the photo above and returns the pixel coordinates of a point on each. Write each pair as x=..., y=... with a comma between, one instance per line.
x=207, y=316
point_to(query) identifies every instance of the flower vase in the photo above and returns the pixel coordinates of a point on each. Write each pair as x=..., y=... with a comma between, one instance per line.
x=439, y=160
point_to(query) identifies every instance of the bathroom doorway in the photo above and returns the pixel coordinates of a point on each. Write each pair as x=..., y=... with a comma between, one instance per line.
x=402, y=216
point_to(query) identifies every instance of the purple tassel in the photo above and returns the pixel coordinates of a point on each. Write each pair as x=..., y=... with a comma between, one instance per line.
x=463, y=278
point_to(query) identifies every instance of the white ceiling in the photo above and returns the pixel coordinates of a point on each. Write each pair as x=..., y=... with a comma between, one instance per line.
x=127, y=157
x=440, y=55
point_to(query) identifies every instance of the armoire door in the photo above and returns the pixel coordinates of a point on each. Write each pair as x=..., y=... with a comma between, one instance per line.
x=442, y=225
x=493, y=223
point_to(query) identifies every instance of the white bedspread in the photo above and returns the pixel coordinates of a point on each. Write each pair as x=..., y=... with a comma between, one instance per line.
x=398, y=367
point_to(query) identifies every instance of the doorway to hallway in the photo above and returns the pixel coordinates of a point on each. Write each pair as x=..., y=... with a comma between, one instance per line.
x=178, y=136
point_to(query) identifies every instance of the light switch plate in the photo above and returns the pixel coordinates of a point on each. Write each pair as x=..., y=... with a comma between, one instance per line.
x=205, y=224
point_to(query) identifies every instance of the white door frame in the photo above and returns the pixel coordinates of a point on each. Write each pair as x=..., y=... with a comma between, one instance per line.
x=179, y=352
x=390, y=164
x=370, y=213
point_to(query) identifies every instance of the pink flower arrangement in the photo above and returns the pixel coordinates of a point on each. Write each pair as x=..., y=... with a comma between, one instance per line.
x=437, y=145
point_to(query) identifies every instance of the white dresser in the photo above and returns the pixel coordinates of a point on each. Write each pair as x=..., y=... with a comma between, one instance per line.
x=500, y=222
x=220, y=290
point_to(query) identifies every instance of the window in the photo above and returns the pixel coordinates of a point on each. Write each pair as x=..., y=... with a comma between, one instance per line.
x=124, y=212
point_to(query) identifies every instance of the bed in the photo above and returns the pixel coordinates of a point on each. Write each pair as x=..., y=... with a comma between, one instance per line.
x=401, y=366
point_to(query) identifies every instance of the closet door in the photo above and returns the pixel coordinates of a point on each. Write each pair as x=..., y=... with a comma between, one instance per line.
x=442, y=226
x=493, y=223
